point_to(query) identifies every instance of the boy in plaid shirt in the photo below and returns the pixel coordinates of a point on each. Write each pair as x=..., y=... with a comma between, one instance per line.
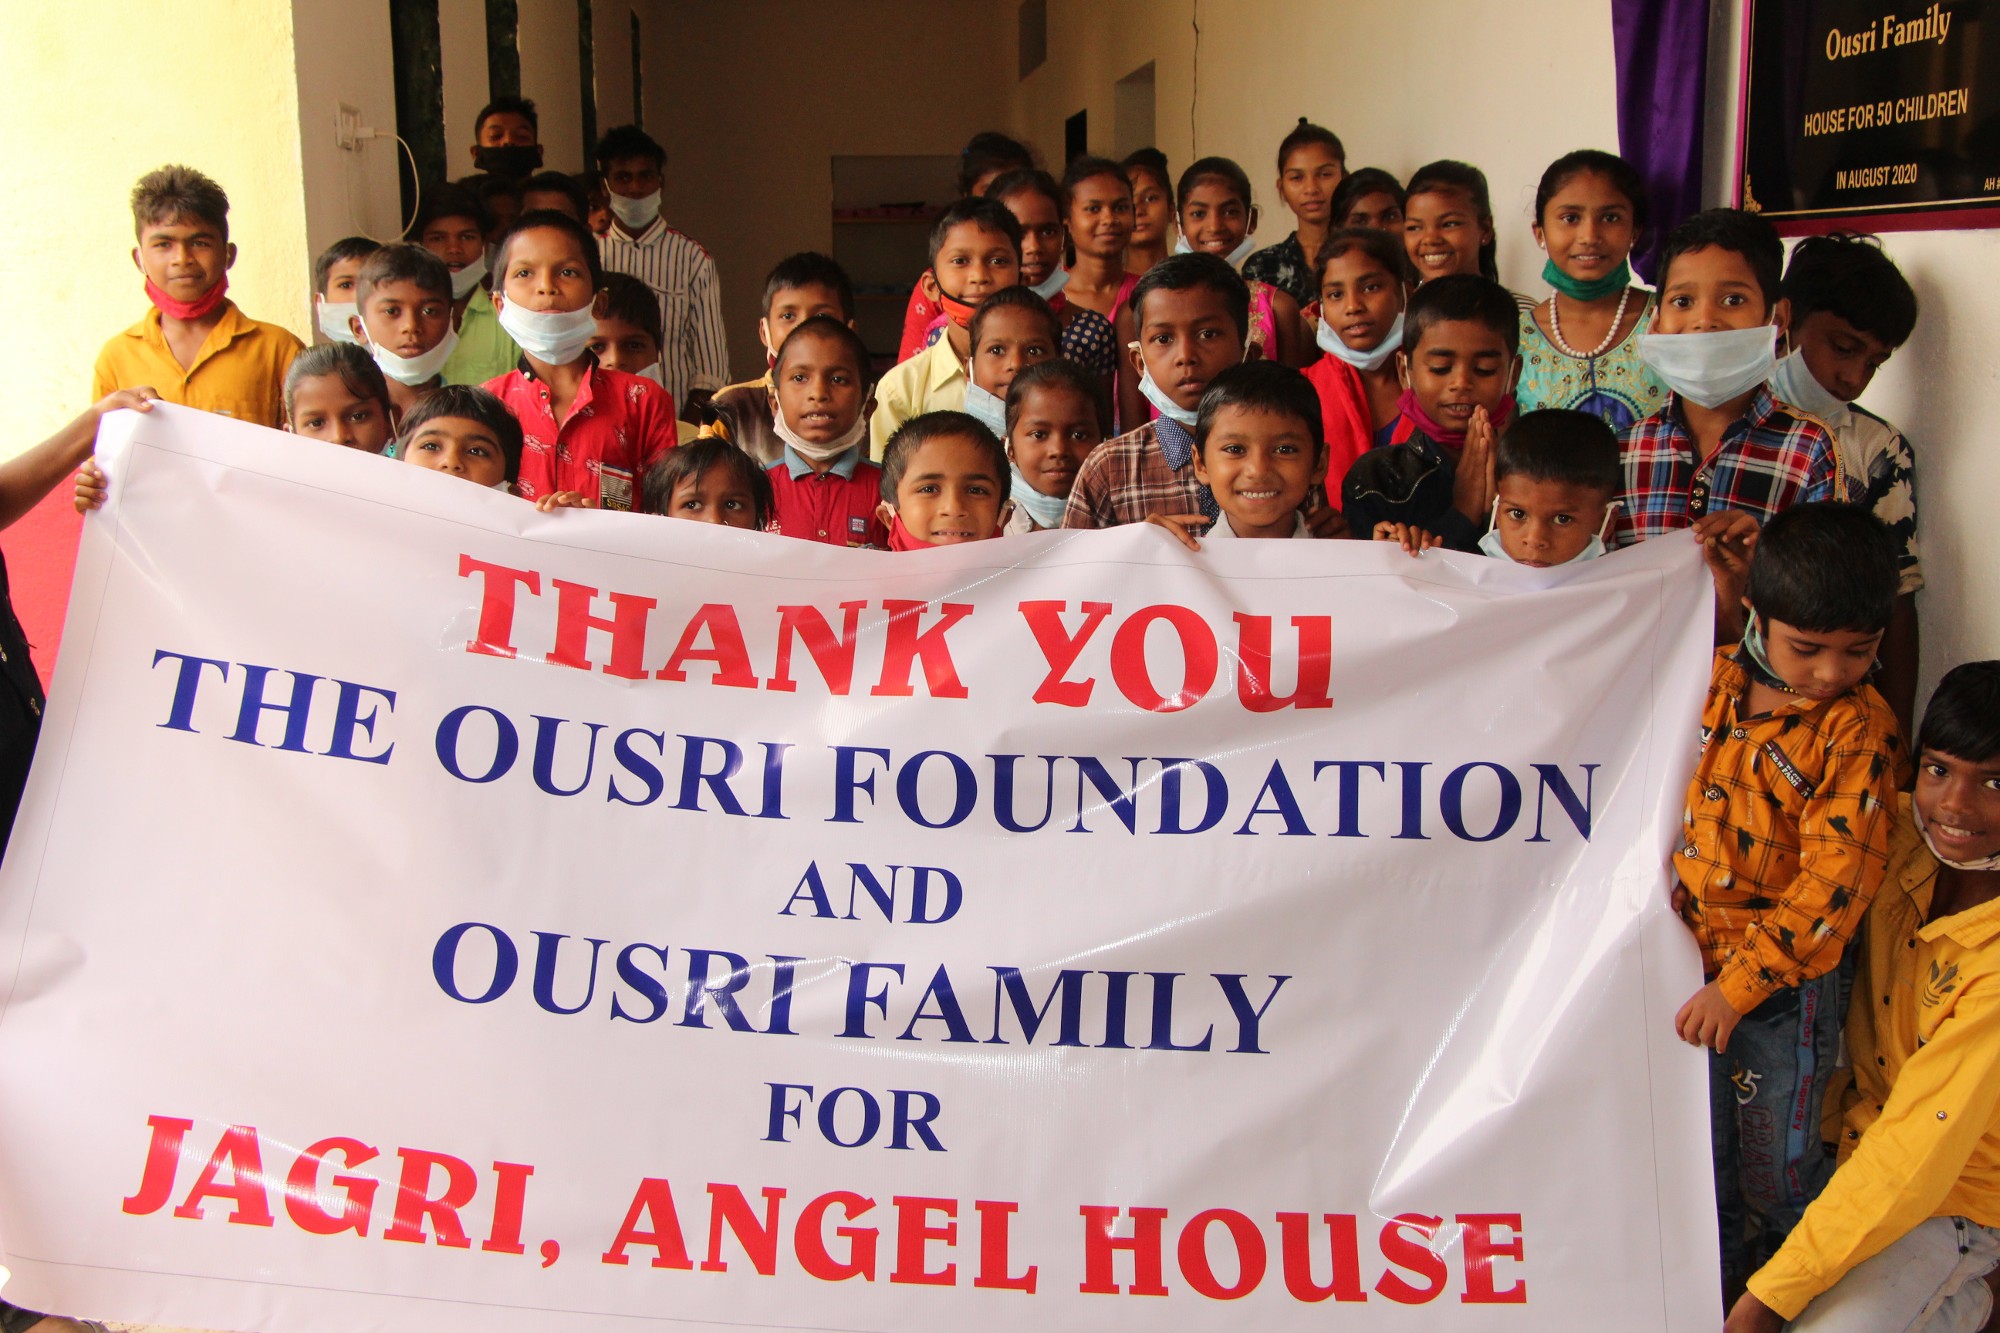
x=1786, y=840
x=1722, y=441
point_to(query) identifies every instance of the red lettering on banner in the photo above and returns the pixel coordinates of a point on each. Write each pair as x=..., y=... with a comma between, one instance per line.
x=575, y=621
x=414, y=1203
x=1414, y=1255
x=1060, y=649
x=238, y=1151
x=833, y=657
x=907, y=645
x=809, y=1241
x=914, y=1233
x=1249, y=1243
x=303, y=1195
x=510, y=1194
x=1100, y=1247
x=1480, y=1252
x=1344, y=1243
x=496, y=603
x=993, y=1265
x=725, y=649
x=163, y=1162
x=654, y=1200
x=1253, y=664
x=1134, y=676
x=759, y=1240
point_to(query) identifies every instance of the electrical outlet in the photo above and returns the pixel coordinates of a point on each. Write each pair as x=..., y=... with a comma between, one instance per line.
x=347, y=127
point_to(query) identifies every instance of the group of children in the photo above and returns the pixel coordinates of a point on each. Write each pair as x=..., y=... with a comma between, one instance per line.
x=1113, y=348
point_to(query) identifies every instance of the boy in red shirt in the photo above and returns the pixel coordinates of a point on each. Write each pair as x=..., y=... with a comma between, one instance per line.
x=823, y=487
x=586, y=429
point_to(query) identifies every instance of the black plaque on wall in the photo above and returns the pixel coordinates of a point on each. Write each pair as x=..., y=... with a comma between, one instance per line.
x=1872, y=114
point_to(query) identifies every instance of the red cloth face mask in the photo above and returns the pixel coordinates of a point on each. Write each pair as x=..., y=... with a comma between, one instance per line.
x=187, y=310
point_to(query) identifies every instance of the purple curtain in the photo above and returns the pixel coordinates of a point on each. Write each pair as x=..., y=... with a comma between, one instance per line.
x=1661, y=48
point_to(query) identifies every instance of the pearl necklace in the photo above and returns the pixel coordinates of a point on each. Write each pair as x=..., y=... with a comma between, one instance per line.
x=1556, y=329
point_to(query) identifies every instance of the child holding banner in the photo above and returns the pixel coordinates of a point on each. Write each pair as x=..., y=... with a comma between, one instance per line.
x=823, y=488
x=944, y=481
x=709, y=481
x=1910, y=1222
x=1258, y=450
x=1058, y=412
x=1786, y=840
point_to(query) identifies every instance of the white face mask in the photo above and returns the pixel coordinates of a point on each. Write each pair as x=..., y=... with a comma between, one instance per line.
x=463, y=281
x=1057, y=280
x=1372, y=359
x=1235, y=257
x=652, y=373
x=333, y=317
x=636, y=214
x=1983, y=863
x=1166, y=406
x=1490, y=543
x=1712, y=368
x=1046, y=510
x=415, y=370
x=989, y=408
x=809, y=450
x=1794, y=383
x=553, y=337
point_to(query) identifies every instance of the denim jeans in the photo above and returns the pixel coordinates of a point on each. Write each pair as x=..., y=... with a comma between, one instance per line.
x=1764, y=1099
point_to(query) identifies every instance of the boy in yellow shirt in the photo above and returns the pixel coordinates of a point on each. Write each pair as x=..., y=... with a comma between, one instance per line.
x=1910, y=1222
x=194, y=347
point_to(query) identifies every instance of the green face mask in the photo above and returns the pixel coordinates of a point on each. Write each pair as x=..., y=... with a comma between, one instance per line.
x=1608, y=285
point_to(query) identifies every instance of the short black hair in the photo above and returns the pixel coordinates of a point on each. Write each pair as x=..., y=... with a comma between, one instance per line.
x=509, y=105
x=562, y=222
x=1089, y=167
x=1151, y=161
x=1825, y=567
x=556, y=182
x=1358, y=186
x=1446, y=176
x=1849, y=277
x=631, y=301
x=352, y=366
x=1963, y=716
x=340, y=252
x=920, y=430
x=1624, y=178
x=1221, y=169
x=171, y=192
x=974, y=210
x=656, y=488
x=1738, y=232
x=1561, y=445
x=833, y=330
x=628, y=141
x=473, y=404
x=1028, y=180
x=1462, y=297
x=1384, y=247
x=1060, y=375
x=809, y=268
x=446, y=199
x=987, y=152
x=1181, y=273
x=1261, y=386
x=402, y=262
x=1304, y=133
x=1016, y=297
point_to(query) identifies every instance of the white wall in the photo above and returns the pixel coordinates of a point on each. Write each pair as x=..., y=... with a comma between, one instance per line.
x=1939, y=388
x=550, y=74
x=1351, y=67
x=339, y=52
x=462, y=54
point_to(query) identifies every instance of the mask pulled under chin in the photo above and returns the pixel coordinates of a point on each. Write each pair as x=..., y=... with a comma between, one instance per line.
x=902, y=539
x=1491, y=545
x=1046, y=510
x=553, y=337
x=1713, y=367
x=1057, y=280
x=1164, y=405
x=1983, y=863
x=957, y=311
x=198, y=308
x=411, y=371
x=1793, y=382
x=1235, y=257
x=988, y=408
x=463, y=281
x=812, y=451
x=1371, y=360
x=334, y=317
x=636, y=214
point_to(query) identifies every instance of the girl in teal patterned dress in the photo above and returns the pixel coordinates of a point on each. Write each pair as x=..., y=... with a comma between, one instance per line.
x=1580, y=347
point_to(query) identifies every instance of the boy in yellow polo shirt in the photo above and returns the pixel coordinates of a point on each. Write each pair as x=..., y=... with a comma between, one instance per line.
x=194, y=346
x=1910, y=1222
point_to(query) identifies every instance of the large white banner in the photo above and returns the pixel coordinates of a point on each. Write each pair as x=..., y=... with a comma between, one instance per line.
x=426, y=913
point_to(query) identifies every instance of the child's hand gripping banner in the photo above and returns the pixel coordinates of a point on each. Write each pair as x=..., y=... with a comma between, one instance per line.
x=428, y=913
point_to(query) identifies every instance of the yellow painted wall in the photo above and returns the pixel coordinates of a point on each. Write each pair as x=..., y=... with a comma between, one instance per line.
x=95, y=93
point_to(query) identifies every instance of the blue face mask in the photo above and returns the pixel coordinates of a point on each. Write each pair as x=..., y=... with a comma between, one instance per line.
x=1372, y=359
x=989, y=408
x=1490, y=543
x=1164, y=405
x=1057, y=280
x=1046, y=510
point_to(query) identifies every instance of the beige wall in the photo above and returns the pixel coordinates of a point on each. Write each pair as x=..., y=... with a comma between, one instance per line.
x=87, y=115
x=753, y=99
x=1349, y=66
x=463, y=71
x=549, y=36
x=347, y=192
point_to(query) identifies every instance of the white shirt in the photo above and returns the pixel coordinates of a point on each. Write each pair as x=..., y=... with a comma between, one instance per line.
x=1223, y=528
x=693, y=354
